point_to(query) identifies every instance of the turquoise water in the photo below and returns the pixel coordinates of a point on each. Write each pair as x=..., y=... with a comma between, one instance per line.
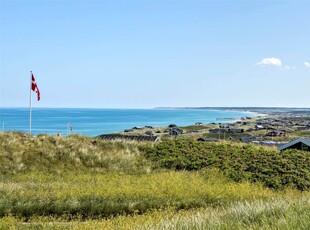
x=92, y=122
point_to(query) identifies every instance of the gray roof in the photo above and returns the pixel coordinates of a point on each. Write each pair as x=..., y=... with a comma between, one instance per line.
x=207, y=139
x=306, y=141
x=129, y=137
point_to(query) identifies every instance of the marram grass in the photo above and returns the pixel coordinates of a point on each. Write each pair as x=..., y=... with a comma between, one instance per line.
x=278, y=213
x=105, y=195
x=20, y=153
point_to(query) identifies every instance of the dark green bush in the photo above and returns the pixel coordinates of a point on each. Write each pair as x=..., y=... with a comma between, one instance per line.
x=274, y=169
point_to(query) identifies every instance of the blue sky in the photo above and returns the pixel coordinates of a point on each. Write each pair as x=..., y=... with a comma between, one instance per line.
x=145, y=54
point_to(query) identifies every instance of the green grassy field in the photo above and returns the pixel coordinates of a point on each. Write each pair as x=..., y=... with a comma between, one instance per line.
x=83, y=183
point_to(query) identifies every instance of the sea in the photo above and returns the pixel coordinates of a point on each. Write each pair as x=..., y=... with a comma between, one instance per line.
x=93, y=122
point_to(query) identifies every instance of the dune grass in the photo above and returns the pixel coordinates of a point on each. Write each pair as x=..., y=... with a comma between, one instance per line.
x=21, y=153
x=76, y=182
x=276, y=213
x=106, y=195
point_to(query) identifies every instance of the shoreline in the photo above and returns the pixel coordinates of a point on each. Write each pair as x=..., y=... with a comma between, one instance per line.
x=84, y=124
x=91, y=122
x=272, y=129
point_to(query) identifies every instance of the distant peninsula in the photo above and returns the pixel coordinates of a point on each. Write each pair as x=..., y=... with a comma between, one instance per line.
x=267, y=110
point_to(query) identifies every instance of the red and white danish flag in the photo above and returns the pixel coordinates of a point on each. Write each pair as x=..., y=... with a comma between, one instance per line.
x=34, y=87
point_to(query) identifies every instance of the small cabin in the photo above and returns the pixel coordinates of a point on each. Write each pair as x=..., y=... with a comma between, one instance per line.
x=300, y=144
x=175, y=131
x=259, y=127
x=220, y=130
x=198, y=123
x=302, y=128
x=206, y=139
x=111, y=137
x=236, y=130
x=128, y=130
x=276, y=133
x=149, y=133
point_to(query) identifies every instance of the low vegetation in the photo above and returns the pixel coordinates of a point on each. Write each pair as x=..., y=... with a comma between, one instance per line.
x=256, y=214
x=21, y=153
x=105, y=195
x=84, y=183
x=239, y=162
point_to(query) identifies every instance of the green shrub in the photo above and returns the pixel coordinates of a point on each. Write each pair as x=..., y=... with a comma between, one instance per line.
x=240, y=162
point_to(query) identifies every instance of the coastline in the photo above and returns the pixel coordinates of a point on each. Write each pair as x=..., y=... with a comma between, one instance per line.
x=245, y=109
x=93, y=122
x=84, y=123
x=272, y=129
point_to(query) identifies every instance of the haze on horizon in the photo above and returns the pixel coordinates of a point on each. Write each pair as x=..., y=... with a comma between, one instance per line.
x=145, y=54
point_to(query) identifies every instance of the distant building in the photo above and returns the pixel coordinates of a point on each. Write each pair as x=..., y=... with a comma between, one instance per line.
x=149, y=133
x=268, y=143
x=300, y=144
x=129, y=137
x=224, y=130
x=236, y=130
x=276, y=133
x=206, y=139
x=218, y=130
x=198, y=123
x=175, y=131
x=302, y=128
x=259, y=127
x=128, y=130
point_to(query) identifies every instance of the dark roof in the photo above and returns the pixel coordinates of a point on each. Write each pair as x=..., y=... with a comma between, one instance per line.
x=175, y=131
x=149, y=133
x=207, y=139
x=277, y=131
x=306, y=141
x=236, y=130
x=128, y=130
x=218, y=130
x=128, y=137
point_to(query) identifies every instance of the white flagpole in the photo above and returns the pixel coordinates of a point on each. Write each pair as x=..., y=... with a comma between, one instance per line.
x=30, y=103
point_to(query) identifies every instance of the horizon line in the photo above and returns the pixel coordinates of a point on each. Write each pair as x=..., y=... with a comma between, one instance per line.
x=163, y=107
